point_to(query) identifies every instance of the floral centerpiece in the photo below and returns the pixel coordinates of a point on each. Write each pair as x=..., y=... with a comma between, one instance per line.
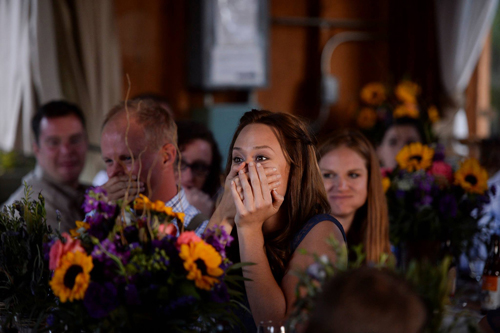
x=126, y=268
x=429, y=201
x=430, y=281
x=25, y=294
x=380, y=105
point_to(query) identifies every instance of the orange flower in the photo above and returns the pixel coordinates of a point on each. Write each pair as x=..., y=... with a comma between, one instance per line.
x=472, y=177
x=433, y=114
x=202, y=262
x=386, y=183
x=373, y=93
x=406, y=110
x=367, y=118
x=407, y=92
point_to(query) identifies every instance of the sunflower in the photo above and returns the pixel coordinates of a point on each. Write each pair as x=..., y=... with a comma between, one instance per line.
x=415, y=156
x=386, y=183
x=143, y=203
x=367, y=118
x=407, y=92
x=80, y=227
x=202, y=262
x=472, y=177
x=433, y=114
x=406, y=110
x=72, y=277
x=373, y=93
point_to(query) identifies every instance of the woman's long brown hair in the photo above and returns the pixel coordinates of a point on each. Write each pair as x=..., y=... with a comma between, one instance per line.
x=305, y=195
x=372, y=219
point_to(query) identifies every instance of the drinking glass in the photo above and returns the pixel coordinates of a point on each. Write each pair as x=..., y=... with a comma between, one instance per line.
x=271, y=327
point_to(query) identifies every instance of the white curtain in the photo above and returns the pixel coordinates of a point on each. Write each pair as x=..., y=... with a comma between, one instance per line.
x=462, y=27
x=57, y=49
x=28, y=67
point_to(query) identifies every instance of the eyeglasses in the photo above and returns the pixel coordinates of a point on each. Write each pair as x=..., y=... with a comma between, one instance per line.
x=199, y=169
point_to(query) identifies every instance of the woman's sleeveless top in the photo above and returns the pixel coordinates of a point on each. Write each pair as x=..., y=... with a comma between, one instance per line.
x=246, y=317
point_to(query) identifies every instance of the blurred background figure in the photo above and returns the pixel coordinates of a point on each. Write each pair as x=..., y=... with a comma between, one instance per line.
x=353, y=183
x=199, y=165
x=399, y=133
x=368, y=300
x=60, y=144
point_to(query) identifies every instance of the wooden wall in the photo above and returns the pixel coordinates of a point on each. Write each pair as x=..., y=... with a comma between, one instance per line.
x=153, y=36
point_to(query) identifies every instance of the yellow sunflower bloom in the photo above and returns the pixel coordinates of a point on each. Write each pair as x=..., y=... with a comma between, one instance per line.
x=202, y=262
x=415, y=156
x=407, y=92
x=367, y=118
x=406, y=110
x=386, y=183
x=72, y=277
x=472, y=177
x=80, y=226
x=373, y=93
x=142, y=203
x=433, y=114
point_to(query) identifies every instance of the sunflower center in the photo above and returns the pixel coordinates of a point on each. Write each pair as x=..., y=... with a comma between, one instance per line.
x=417, y=158
x=471, y=179
x=71, y=274
x=201, y=266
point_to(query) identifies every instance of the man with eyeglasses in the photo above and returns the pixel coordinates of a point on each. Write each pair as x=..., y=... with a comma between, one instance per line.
x=60, y=144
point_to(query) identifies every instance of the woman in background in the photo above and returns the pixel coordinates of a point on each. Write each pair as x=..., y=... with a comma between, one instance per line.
x=200, y=165
x=352, y=179
x=271, y=222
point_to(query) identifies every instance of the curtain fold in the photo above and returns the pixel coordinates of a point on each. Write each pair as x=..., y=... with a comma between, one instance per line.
x=462, y=27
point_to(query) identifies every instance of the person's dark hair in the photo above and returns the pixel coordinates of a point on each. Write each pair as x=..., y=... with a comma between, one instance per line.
x=187, y=132
x=305, y=195
x=404, y=121
x=54, y=109
x=371, y=221
x=368, y=300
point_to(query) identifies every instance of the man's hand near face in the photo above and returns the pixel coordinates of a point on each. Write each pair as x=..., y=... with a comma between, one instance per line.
x=117, y=186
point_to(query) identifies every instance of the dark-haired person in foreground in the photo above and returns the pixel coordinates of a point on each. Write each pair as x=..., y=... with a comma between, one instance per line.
x=368, y=300
x=60, y=144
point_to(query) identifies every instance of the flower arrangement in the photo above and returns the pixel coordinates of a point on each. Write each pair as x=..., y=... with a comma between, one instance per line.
x=429, y=280
x=380, y=106
x=24, y=275
x=129, y=268
x=430, y=201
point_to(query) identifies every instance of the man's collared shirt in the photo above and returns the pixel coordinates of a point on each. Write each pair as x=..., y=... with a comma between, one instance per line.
x=58, y=197
x=180, y=204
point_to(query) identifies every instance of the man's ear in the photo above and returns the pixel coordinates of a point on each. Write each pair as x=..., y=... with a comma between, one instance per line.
x=168, y=153
x=36, y=148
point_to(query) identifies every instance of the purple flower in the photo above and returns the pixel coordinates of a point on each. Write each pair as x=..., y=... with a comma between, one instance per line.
x=400, y=194
x=132, y=295
x=46, y=249
x=182, y=301
x=218, y=238
x=219, y=293
x=439, y=152
x=316, y=271
x=100, y=299
x=448, y=206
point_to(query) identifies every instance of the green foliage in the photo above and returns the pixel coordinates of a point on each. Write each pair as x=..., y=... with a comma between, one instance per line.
x=24, y=275
x=429, y=280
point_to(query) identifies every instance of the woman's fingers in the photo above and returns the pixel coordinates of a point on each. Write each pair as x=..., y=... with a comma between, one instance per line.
x=248, y=195
x=256, y=184
x=277, y=199
x=266, y=194
x=237, y=201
